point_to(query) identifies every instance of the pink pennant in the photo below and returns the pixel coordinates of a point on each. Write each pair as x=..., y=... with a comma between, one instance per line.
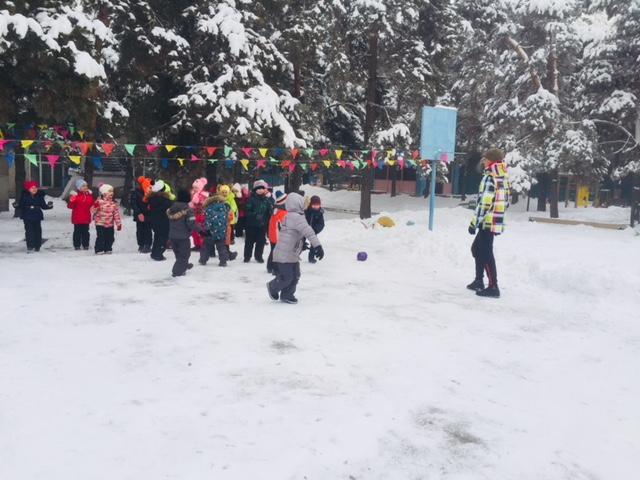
x=53, y=159
x=108, y=148
x=152, y=148
x=324, y=152
x=2, y=144
x=341, y=163
x=261, y=163
x=247, y=151
x=351, y=165
x=194, y=158
x=416, y=154
x=374, y=153
x=294, y=152
x=211, y=150
x=292, y=167
x=401, y=163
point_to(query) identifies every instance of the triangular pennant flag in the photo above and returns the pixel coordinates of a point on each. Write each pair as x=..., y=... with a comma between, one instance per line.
x=53, y=159
x=401, y=163
x=11, y=126
x=170, y=148
x=152, y=148
x=130, y=148
x=391, y=162
x=264, y=152
x=304, y=166
x=285, y=164
x=75, y=159
x=2, y=144
x=364, y=152
x=32, y=157
x=228, y=151
x=279, y=151
x=84, y=147
x=97, y=162
x=341, y=163
x=229, y=163
x=165, y=163
x=351, y=165
x=43, y=126
x=381, y=165
x=212, y=160
x=415, y=154
x=247, y=151
x=26, y=144
x=108, y=148
x=11, y=157
x=338, y=154
x=81, y=133
x=309, y=152
x=72, y=129
x=194, y=158
x=273, y=160
x=374, y=153
x=261, y=163
x=292, y=167
x=245, y=163
x=314, y=167
x=211, y=150
x=324, y=152
x=294, y=153
x=327, y=163
x=181, y=162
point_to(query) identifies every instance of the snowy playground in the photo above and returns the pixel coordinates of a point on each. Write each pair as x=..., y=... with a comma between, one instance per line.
x=387, y=369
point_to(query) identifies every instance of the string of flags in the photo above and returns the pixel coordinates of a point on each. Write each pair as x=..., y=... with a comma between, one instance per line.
x=74, y=151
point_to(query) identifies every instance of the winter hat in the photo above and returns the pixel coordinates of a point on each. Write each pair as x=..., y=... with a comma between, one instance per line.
x=280, y=197
x=259, y=184
x=494, y=155
x=315, y=200
x=80, y=183
x=29, y=184
x=158, y=186
x=199, y=184
x=183, y=196
x=224, y=190
x=237, y=190
x=105, y=188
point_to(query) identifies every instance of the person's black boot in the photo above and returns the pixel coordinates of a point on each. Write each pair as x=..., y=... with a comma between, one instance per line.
x=273, y=295
x=476, y=285
x=491, y=292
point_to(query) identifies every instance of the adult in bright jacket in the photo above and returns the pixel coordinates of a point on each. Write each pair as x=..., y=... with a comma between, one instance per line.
x=259, y=208
x=80, y=202
x=488, y=221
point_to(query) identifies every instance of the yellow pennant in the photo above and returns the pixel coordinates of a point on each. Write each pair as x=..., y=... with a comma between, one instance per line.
x=170, y=147
x=327, y=163
x=26, y=144
x=245, y=163
x=338, y=154
x=181, y=161
x=75, y=159
x=264, y=152
x=391, y=153
x=81, y=133
x=391, y=162
x=43, y=126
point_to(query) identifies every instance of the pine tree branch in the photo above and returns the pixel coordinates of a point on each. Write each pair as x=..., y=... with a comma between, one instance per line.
x=516, y=47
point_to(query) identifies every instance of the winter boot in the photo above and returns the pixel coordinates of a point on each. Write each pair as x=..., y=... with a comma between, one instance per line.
x=476, y=285
x=272, y=295
x=492, y=292
x=290, y=300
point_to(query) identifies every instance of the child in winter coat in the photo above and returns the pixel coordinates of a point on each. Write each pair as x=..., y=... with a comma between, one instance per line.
x=286, y=255
x=315, y=217
x=106, y=215
x=275, y=223
x=225, y=192
x=259, y=209
x=31, y=205
x=217, y=216
x=488, y=221
x=158, y=204
x=80, y=203
x=241, y=200
x=138, y=202
x=198, y=196
x=182, y=223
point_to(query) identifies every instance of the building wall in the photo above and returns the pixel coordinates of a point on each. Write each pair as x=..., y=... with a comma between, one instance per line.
x=402, y=186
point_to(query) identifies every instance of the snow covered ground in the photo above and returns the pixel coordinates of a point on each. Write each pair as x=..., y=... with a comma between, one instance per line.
x=387, y=369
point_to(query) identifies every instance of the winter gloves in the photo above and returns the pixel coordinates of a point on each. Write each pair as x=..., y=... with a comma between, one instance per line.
x=318, y=252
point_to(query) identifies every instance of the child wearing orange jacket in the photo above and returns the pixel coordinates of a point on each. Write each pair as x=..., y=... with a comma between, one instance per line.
x=279, y=214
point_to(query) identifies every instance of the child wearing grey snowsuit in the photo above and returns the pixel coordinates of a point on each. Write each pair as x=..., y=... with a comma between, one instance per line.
x=182, y=222
x=216, y=211
x=286, y=256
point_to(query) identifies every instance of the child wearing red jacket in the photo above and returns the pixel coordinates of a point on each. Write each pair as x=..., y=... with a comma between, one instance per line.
x=106, y=214
x=80, y=204
x=275, y=222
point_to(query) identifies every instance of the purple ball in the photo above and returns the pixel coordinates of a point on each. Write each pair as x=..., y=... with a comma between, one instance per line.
x=362, y=256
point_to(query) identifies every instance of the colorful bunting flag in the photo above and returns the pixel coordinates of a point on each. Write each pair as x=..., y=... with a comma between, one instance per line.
x=81, y=133
x=165, y=163
x=32, y=157
x=170, y=148
x=314, y=167
x=341, y=163
x=338, y=154
x=304, y=166
x=53, y=159
x=294, y=153
x=11, y=157
x=84, y=147
x=264, y=152
x=292, y=167
x=130, y=148
x=247, y=151
x=309, y=152
x=26, y=144
x=211, y=150
x=152, y=148
x=229, y=163
x=212, y=160
x=108, y=148
x=97, y=163
x=75, y=159
x=416, y=154
x=273, y=160
x=327, y=163
x=2, y=144
x=194, y=158
x=228, y=151
x=324, y=152
x=279, y=151
x=261, y=163
x=181, y=162
x=245, y=163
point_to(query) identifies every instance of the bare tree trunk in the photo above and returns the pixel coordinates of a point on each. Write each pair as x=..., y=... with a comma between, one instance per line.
x=370, y=112
x=394, y=180
x=542, y=192
x=553, y=194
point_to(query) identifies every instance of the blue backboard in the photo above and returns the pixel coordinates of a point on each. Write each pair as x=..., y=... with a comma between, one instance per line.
x=438, y=133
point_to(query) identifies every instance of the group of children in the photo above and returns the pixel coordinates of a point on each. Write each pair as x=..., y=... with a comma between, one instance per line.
x=210, y=219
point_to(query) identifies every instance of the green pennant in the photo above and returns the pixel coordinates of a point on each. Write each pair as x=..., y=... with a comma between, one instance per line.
x=72, y=130
x=304, y=166
x=364, y=152
x=228, y=151
x=48, y=134
x=309, y=152
x=130, y=147
x=359, y=164
x=32, y=157
x=11, y=126
x=273, y=160
x=212, y=160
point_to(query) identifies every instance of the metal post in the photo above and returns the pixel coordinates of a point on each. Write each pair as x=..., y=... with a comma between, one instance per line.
x=432, y=193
